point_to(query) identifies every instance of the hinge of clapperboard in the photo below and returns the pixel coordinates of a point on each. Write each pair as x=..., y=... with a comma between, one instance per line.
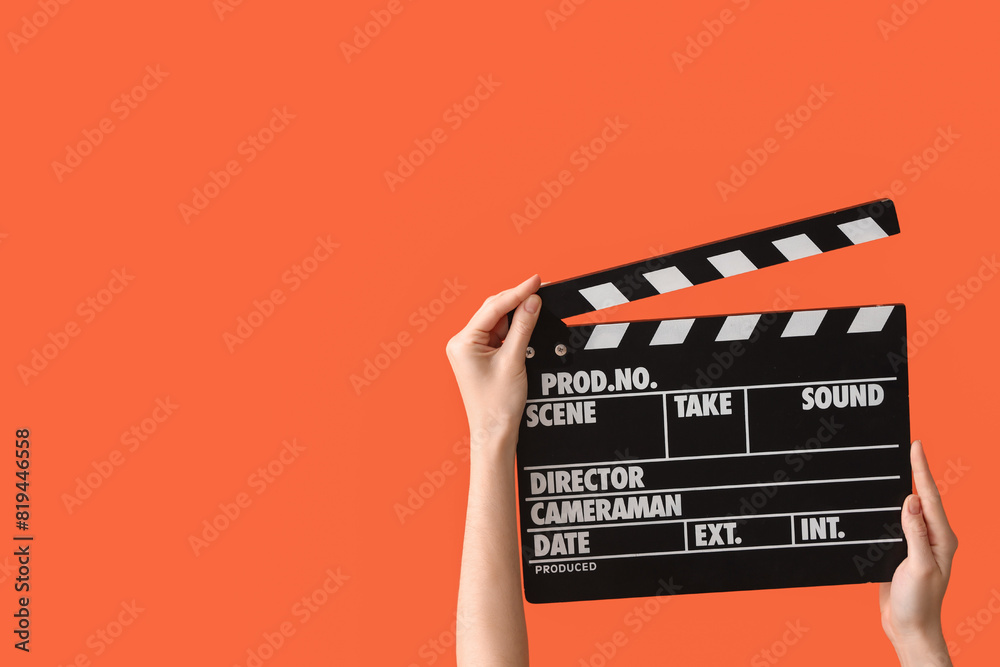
x=553, y=341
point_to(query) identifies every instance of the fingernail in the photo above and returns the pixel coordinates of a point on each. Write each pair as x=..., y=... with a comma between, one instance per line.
x=531, y=304
x=914, y=505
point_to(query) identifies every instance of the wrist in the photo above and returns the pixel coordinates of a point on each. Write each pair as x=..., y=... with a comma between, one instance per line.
x=497, y=449
x=492, y=446
x=490, y=433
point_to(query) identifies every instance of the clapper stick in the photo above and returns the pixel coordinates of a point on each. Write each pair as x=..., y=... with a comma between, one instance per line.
x=731, y=452
x=701, y=264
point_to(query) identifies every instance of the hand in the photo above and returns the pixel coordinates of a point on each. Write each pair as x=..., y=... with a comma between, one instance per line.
x=491, y=375
x=911, y=603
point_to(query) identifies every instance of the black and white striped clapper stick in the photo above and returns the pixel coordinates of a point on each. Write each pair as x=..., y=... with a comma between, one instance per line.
x=732, y=452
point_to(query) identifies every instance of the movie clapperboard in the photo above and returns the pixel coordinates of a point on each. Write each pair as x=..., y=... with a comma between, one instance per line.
x=732, y=452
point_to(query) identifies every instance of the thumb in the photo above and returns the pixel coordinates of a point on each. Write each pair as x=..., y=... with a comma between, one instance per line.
x=521, y=326
x=917, y=542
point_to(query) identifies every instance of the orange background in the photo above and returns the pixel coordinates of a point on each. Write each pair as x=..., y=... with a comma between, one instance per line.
x=654, y=189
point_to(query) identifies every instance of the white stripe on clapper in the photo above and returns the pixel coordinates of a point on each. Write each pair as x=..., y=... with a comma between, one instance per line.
x=796, y=247
x=803, y=323
x=732, y=263
x=860, y=231
x=737, y=327
x=667, y=280
x=671, y=332
x=603, y=296
x=871, y=318
x=606, y=336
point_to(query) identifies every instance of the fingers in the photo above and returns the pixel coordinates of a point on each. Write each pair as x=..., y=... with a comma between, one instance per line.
x=521, y=326
x=925, y=484
x=918, y=546
x=497, y=306
x=939, y=530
